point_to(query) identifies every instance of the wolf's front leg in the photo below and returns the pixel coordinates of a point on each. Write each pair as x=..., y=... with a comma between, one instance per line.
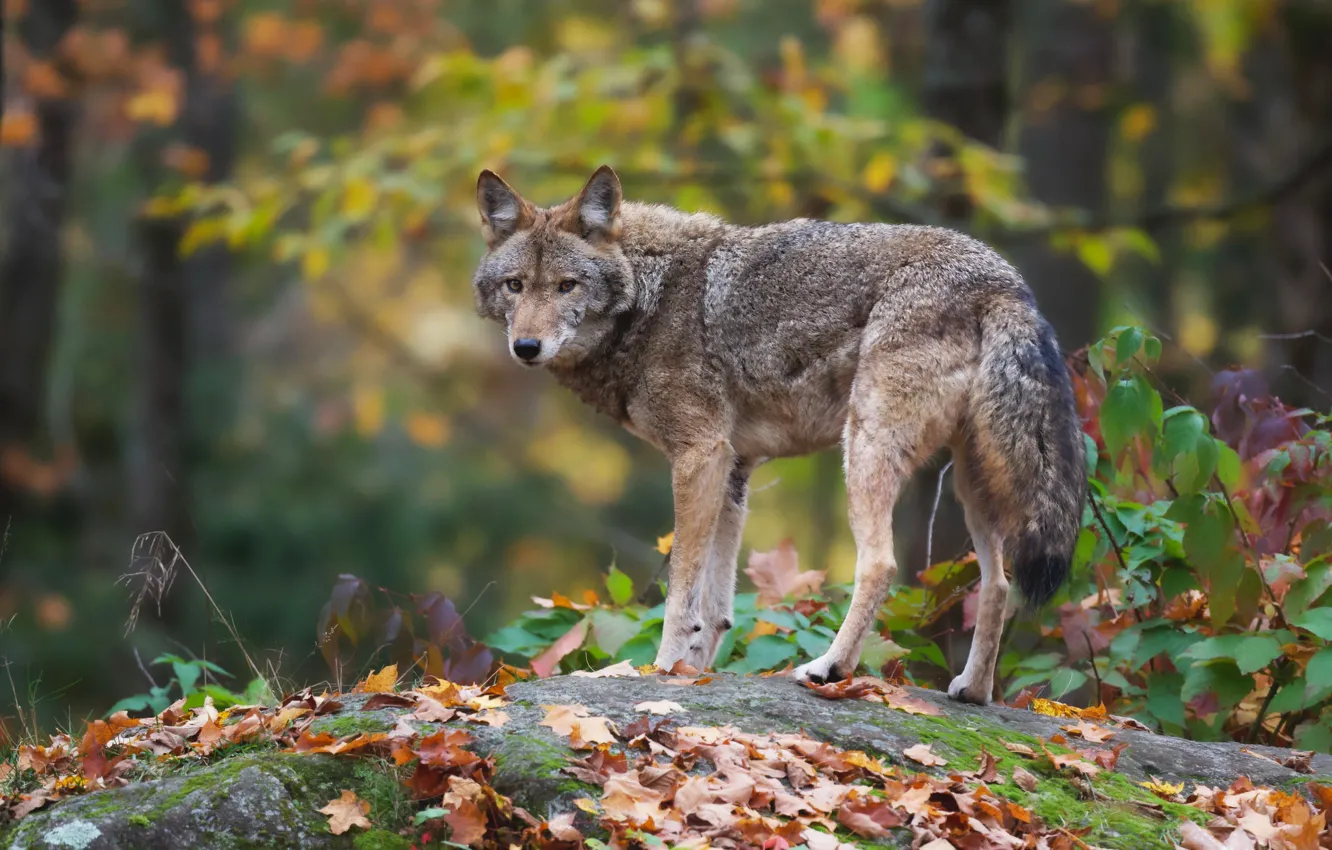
x=718, y=579
x=698, y=479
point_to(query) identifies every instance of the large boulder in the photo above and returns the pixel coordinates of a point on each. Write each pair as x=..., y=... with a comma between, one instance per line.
x=268, y=798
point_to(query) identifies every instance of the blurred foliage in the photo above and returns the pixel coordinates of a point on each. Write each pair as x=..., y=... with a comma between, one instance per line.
x=367, y=423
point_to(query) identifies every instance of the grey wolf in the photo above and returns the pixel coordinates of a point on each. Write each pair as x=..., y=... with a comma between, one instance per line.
x=726, y=346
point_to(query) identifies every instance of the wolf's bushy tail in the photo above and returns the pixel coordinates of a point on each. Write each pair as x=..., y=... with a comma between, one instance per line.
x=1027, y=445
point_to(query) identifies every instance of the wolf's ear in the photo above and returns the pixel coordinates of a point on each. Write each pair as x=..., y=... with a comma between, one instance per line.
x=503, y=211
x=597, y=208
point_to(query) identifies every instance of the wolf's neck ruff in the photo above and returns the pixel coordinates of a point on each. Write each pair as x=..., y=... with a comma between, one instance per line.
x=725, y=346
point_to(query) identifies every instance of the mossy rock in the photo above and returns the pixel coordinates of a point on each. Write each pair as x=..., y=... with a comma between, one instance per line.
x=263, y=800
x=270, y=799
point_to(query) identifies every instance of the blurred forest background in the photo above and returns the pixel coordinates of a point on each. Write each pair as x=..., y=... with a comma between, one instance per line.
x=237, y=239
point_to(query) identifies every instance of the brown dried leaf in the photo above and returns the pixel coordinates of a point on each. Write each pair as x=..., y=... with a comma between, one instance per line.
x=490, y=717
x=617, y=670
x=346, y=812
x=1023, y=779
x=777, y=574
x=1089, y=731
x=923, y=754
x=568, y=719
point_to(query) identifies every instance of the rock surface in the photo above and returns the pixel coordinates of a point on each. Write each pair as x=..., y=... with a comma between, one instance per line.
x=270, y=799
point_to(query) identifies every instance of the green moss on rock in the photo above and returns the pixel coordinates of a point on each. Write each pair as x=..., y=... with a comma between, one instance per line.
x=380, y=839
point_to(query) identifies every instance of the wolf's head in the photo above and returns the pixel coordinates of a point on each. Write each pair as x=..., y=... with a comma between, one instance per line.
x=555, y=277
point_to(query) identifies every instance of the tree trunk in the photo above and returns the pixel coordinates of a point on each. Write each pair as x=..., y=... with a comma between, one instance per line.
x=31, y=268
x=965, y=80
x=187, y=337
x=1302, y=224
x=965, y=85
x=1067, y=57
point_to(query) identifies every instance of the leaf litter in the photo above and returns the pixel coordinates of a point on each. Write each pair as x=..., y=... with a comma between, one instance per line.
x=657, y=781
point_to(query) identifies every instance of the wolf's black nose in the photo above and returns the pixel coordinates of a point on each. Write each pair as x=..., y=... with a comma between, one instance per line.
x=526, y=349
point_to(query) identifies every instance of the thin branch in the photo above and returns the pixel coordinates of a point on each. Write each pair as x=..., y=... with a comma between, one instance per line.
x=1300, y=335
x=1114, y=544
x=934, y=511
x=1091, y=659
x=142, y=669
x=1306, y=170
x=1272, y=690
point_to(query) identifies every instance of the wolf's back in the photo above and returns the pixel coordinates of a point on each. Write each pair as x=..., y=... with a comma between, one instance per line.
x=1027, y=441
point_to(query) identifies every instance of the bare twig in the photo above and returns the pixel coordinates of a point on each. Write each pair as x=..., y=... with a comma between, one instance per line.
x=1299, y=335
x=1091, y=659
x=144, y=670
x=934, y=511
x=1272, y=690
x=1109, y=535
x=656, y=577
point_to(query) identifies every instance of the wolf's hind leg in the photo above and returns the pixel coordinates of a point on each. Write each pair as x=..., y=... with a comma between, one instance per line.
x=904, y=406
x=976, y=683
x=719, y=572
x=698, y=480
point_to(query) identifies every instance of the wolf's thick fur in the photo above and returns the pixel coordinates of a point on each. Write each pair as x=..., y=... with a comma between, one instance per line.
x=726, y=346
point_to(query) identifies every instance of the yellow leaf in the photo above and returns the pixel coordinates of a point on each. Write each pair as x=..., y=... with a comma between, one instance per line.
x=314, y=264
x=588, y=806
x=1137, y=121
x=763, y=627
x=428, y=429
x=1165, y=790
x=1050, y=708
x=382, y=682
x=359, y=199
x=664, y=543
x=879, y=172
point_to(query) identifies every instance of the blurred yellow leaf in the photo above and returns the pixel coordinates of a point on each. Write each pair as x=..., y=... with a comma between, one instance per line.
x=593, y=468
x=359, y=198
x=1197, y=333
x=314, y=264
x=664, y=543
x=858, y=47
x=428, y=429
x=1096, y=253
x=155, y=105
x=583, y=34
x=879, y=172
x=200, y=232
x=368, y=410
x=1137, y=121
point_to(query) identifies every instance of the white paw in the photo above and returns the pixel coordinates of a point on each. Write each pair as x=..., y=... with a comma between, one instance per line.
x=822, y=670
x=962, y=690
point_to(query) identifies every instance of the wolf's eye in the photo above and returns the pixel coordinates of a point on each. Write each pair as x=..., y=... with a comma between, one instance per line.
x=514, y=285
x=567, y=286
